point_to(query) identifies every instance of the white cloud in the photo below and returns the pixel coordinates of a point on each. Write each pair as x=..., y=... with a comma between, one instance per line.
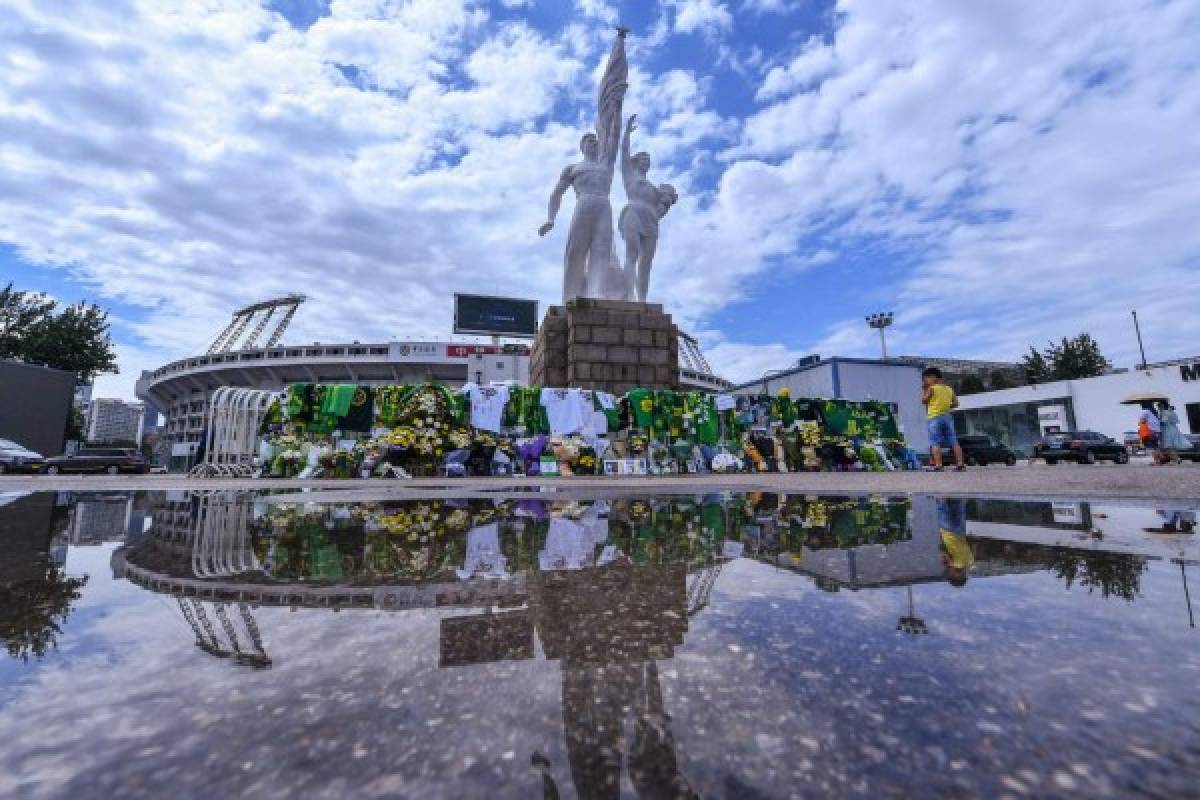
x=598, y=10
x=771, y=6
x=1034, y=162
x=710, y=17
x=1036, y=167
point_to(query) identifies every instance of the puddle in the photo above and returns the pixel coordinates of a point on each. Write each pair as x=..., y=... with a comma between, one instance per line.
x=730, y=645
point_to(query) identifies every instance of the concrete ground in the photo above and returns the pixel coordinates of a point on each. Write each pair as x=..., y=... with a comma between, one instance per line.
x=1141, y=484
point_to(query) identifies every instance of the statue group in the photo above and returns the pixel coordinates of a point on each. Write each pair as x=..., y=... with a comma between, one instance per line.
x=591, y=265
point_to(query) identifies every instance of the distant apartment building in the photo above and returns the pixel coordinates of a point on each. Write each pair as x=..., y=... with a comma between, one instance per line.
x=96, y=520
x=111, y=420
x=83, y=398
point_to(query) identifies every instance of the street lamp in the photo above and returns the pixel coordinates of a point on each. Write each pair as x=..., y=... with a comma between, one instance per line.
x=879, y=322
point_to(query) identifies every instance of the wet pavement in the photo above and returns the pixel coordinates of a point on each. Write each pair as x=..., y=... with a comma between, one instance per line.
x=727, y=645
x=1128, y=483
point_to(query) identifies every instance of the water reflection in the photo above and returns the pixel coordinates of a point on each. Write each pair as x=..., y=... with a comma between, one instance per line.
x=612, y=593
x=226, y=552
x=35, y=593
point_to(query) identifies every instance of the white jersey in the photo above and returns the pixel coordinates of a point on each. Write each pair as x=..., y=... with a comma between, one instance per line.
x=569, y=545
x=484, y=558
x=566, y=409
x=487, y=406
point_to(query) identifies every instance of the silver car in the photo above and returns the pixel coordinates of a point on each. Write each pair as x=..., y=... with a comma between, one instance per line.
x=18, y=458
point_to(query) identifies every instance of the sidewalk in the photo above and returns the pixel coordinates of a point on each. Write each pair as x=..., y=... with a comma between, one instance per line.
x=1130, y=483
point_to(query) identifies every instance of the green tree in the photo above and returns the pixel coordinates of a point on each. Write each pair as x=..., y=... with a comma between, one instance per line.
x=1078, y=357
x=75, y=425
x=1001, y=379
x=1037, y=369
x=971, y=384
x=20, y=313
x=75, y=339
x=35, y=611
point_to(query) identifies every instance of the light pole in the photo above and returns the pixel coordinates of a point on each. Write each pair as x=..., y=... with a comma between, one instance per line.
x=880, y=321
x=912, y=623
x=1138, y=330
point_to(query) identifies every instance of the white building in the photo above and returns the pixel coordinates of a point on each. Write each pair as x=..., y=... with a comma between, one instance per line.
x=113, y=420
x=1018, y=416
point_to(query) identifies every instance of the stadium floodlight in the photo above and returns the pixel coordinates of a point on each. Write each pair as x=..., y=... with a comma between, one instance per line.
x=881, y=321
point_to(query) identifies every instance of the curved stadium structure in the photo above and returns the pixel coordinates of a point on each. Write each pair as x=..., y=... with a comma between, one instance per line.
x=181, y=389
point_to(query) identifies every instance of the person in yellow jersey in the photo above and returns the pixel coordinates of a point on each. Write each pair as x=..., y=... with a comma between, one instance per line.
x=939, y=400
x=957, y=556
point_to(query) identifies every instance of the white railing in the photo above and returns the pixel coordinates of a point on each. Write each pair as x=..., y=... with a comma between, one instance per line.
x=231, y=443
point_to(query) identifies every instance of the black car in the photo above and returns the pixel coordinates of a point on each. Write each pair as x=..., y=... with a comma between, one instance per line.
x=1193, y=452
x=1084, y=447
x=112, y=460
x=981, y=450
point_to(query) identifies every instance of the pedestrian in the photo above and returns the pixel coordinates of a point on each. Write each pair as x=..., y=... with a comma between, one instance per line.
x=939, y=400
x=1149, y=430
x=1171, y=439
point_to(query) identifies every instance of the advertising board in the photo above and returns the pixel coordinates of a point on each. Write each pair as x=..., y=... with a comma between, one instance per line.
x=495, y=316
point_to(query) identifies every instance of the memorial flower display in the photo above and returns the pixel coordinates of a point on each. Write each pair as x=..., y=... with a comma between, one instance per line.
x=426, y=429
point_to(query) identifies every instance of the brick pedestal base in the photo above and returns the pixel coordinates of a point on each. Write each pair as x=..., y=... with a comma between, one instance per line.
x=606, y=345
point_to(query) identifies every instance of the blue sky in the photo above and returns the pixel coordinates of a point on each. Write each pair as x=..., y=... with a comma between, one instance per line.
x=997, y=174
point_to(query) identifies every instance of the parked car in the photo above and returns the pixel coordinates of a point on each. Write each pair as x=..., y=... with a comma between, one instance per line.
x=19, y=458
x=1085, y=447
x=112, y=460
x=981, y=450
x=1192, y=453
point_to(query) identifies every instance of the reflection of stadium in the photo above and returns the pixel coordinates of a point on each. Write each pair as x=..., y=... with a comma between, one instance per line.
x=248, y=353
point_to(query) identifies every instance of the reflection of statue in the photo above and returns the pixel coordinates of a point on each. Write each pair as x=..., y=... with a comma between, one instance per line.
x=590, y=239
x=609, y=625
x=639, y=219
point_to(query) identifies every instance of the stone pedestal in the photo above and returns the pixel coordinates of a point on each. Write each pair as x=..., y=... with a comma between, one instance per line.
x=607, y=345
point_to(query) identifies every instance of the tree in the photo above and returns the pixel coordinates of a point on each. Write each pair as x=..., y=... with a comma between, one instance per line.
x=1001, y=379
x=20, y=313
x=1079, y=357
x=1036, y=367
x=971, y=384
x=75, y=426
x=35, y=611
x=75, y=339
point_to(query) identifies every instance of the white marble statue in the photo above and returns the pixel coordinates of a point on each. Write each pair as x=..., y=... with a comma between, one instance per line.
x=646, y=205
x=588, y=259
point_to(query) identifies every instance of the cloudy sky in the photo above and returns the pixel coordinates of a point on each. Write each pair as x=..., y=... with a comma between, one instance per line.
x=996, y=173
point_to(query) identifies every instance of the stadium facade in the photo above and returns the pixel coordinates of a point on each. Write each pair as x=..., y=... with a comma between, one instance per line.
x=181, y=389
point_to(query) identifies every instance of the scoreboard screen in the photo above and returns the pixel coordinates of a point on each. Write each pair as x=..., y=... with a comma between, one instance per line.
x=495, y=316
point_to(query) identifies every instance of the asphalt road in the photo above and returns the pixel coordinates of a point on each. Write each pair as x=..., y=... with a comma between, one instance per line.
x=1134, y=483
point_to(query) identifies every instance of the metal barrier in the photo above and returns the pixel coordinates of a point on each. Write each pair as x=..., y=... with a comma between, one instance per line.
x=231, y=442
